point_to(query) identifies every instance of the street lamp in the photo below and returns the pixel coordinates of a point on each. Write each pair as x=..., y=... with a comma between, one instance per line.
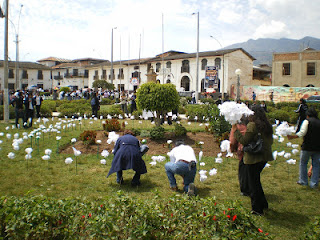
x=5, y=78
x=111, y=71
x=238, y=73
x=197, y=57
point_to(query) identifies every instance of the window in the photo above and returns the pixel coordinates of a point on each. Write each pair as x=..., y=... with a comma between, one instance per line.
x=40, y=75
x=136, y=67
x=204, y=63
x=11, y=74
x=104, y=74
x=286, y=69
x=111, y=73
x=158, y=67
x=120, y=75
x=311, y=68
x=96, y=75
x=75, y=72
x=168, y=65
x=217, y=63
x=86, y=73
x=185, y=66
x=24, y=74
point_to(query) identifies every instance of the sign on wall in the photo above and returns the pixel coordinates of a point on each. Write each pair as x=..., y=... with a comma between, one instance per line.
x=211, y=77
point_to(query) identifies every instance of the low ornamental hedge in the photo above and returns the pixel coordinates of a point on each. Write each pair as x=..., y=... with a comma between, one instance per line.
x=123, y=217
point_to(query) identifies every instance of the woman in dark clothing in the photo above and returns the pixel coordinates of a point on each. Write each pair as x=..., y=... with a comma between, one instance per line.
x=302, y=109
x=258, y=123
x=127, y=155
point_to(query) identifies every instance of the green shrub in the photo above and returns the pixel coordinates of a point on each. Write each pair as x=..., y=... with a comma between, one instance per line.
x=137, y=114
x=88, y=137
x=280, y=115
x=218, y=124
x=199, y=111
x=106, y=101
x=179, y=130
x=183, y=101
x=157, y=132
x=114, y=110
x=136, y=131
x=144, y=133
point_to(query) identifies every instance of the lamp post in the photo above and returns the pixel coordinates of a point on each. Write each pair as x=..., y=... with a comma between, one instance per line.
x=111, y=71
x=197, y=58
x=6, y=68
x=238, y=73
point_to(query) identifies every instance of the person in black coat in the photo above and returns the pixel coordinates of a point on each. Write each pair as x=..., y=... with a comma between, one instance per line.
x=302, y=109
x=18, y=103
x=127, y=155
x=95, y=104
x=29, y=104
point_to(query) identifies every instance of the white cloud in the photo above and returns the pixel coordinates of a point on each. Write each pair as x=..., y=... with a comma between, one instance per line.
x=274, y=29
x=229, y=16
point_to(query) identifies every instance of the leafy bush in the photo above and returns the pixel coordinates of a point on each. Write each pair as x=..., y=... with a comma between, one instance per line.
x=136, y=131
x=88, y=137
x=279, y=115
x=199, y=111
x=179, y=130
x=75, y=107
x=313, y=229
x=125, y=217
x=114, y=110
x=144, y=133
x=111, y=125
x=157, y=132
x=44, y=94
x=106, y=101
x=183, y=101
x=218, y=124
x=136, y=113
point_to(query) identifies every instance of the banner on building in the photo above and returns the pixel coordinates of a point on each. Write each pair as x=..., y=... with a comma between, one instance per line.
x=211, y=78
x=134, y=81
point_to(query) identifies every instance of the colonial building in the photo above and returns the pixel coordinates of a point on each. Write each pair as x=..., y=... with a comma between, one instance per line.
x=29, y=74
x=180, y=69
x=296, y=69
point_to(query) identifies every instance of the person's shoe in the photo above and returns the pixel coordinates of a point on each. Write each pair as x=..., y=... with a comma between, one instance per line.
x=121, y=181
x=174, y=188
x=192, y=189
x=301, y=184
x=256, y=213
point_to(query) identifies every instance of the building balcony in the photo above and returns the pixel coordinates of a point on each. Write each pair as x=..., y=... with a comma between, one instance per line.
x=69, y=75
x=185, y=69
x=58, y=77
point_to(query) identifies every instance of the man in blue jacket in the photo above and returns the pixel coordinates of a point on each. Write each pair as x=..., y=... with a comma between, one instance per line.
x=127, y=155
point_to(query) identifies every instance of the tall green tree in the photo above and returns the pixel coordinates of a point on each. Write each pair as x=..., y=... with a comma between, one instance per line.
x=161, y=98
x=102, y=84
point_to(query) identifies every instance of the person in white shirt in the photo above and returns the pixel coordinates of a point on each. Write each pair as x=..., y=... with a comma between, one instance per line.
x=183, y=162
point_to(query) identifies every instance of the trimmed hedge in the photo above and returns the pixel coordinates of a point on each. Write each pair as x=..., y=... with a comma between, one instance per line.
x=125, y=217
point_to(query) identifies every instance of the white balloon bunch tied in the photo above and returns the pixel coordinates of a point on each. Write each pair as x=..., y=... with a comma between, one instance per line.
x=233, y=111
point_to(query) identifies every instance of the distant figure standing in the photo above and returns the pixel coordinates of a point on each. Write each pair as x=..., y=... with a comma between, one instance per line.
x=302, y=110
x=54, y=95
x=38, y=101
x=95, y=104
x=271, y=96
x=133, y=102
x=193, y=101
x=254, y=96
x=18, y=102
x=29, y=103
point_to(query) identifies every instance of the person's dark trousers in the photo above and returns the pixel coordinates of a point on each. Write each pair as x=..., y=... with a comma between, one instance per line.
x=243, y=178
x=38, y=110
x=95, y=111
x=258, y=199
x=29, y=114
x=19, y=114
x=135, y=180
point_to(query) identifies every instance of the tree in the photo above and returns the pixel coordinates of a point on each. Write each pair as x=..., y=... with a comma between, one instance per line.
x=160, y=98
x=102, y=84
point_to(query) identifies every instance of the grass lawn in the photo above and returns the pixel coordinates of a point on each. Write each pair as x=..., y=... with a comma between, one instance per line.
x=291, y=206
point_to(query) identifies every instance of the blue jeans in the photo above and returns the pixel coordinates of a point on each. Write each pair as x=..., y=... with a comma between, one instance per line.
x=304, y=159
x=180, y=168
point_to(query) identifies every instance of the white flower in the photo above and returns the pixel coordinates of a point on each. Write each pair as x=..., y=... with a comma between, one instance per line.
x=201, y=124
x=200, y=143
x=99, y=141
x=287, y=155
x=28, y=150
x=295, y=145
x=213, y=171
x=203, y=178
x=1, y=134
x=109, y=141
x=73, y=140
x=189, y=123
x=103, y=161
x=219, y=155
x=126, y=123
x=27, y=156
x=58, y=138
x=229, y=154
x=281, y=153
x=295, y=151
x=225, y=146
x=274, y=136
x=16, y=136
x=25, y=137
x=203, y=172
x=105, y=153
x=274, y=154
x=76, y=152
x=140, y=122
x=45, y=157
x=153, y=163
x=7, y=128
x=1, y=142
x=8, y=135
x=289, y=144
x=219, y=160
x=284, y=129
x=11, y=155
x=281, y=139
x=68, y=160
x=169, y=141
x=233, y=111
x=291, y=161
x=202, y=164
x=132, y=117
x=101, y=117
x=109, y=116
x=48, y=151
x=267, y=165
x=16, y=147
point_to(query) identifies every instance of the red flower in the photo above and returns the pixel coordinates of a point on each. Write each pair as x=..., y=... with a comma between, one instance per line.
x=260, y=230
x=204, y=214
x=224, y=212
x=234, y=218
x=267, y=234
x=215, y=204
x=83, y=216
x=171, y=214
x=229, y=209
x=228, y=216
x=214, y=218
x=90, y=215
x=60, y=222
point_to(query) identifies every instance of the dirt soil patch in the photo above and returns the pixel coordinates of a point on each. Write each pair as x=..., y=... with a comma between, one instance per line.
x=156, y=147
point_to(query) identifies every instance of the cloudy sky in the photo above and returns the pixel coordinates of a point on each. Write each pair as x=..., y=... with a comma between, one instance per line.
x=74, y=29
